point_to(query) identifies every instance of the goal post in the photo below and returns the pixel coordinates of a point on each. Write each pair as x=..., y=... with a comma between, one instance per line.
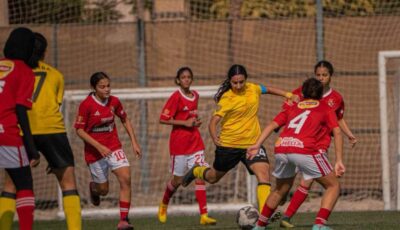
x=235, y=190
x=383, y=57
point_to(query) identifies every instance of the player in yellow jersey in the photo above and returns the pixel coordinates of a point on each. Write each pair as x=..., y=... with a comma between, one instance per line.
x=47, y=126
x=238, y=102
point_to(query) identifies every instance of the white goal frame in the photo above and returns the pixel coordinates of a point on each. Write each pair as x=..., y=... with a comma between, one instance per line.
x=155, y=93
x=382, y=59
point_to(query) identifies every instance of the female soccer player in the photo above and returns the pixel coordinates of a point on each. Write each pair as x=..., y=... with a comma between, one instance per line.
x=323, y=72
x=17, y=153
x=96, y=127
x=185, y=144
x=238, y=102
x=297, y=147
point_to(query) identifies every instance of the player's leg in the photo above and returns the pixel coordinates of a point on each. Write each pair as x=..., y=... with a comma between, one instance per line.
x=58, y=153
x=177, y=168
x=225, y=159
x=259, y=166
x=318, y=167
x=99, y=184
x=25, y=200
x=299, y=196
x=198, y=158
x=7, y=203
x=285, y=172
x=120, y=167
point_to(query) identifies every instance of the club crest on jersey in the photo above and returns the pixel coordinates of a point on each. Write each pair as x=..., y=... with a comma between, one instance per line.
x=308, y=104
x=289, y=142
x=6, y=67
x=331, y=102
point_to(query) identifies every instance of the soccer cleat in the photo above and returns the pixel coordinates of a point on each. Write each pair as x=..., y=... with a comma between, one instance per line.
x=94, y=198
x=206, y=220
x=189, y=176
x=275, y=217
x=124, y=225
x=162, y=212
x=285, y=223
x=320, y=227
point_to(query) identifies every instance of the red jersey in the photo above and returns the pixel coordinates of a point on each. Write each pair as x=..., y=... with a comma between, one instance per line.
x=335, y=101
x=16, y=87
x=304, y=124
x=97, y=119
x=183, y=140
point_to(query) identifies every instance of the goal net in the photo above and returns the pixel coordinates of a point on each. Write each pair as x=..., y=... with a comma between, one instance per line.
x=277, y=41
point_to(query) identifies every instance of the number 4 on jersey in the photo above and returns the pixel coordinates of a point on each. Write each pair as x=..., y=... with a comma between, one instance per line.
x=298, y=122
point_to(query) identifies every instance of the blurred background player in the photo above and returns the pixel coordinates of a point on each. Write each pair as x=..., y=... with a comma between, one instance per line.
x=185, y=143
x=16, y=87
x=323, y=71
x=238, y=102
x=95, y=125
x=47, y=126
x=296, y=148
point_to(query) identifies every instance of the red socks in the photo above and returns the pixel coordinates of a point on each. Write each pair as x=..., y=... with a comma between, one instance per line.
x=322, y=216
x=25, y=204
x=201, y=196
x=298, y=198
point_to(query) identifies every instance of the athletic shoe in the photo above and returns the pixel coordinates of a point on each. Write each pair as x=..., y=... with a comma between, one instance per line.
x=162, y=212
x=285, y=223
x=124, y=225
x=258, y=228
x=206, y=220
x=320, y=227
x=275, y=217
x=94, y=198
x=189, y=176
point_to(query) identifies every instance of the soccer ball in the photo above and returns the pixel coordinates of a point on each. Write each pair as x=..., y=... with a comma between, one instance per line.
x=247, y=217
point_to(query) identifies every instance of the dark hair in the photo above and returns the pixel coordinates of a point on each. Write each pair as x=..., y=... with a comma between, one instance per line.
x=235, y=69
x=325, y=64
x=312, y=89
x=96, y=77
x=19, y=45
x=180, y=71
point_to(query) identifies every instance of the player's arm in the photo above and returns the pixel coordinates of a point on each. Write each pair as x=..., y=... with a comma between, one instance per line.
x=129, y=129
x=212, y=128
x=279, y=92
x=27, y=138
x=103, y=150
x=191, y=122
x=345, y=128
x=338, y=140
x=254, y=149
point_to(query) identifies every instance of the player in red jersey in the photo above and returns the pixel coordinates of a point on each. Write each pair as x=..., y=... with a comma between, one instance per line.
x=297, y=148
x=186, y=145
x=323, y=72
x=103, y=152
x=16, y=87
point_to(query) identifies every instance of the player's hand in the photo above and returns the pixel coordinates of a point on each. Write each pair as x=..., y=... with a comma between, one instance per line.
x=216, y=141
x=34, y=162
x=339, y=169
x=197, y=122
x=137, y=150
x=292, y=99
x=353, y=141
x=252, y=151
x=104, y=151
x=191, y=122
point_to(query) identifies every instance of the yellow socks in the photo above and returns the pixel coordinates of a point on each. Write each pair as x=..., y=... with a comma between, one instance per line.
x=7, y=210
x=263, y=191
x=72, y=209
x=198, y=172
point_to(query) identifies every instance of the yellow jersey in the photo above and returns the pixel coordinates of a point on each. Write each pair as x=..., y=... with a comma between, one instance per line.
x=240, y=127
x=45, y=116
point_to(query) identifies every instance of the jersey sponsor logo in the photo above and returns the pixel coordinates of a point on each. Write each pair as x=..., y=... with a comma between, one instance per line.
x=103, y=128
x=1, y=128
x=6, y=67
x=97, y=113
x=289, y=142
x=308, y=104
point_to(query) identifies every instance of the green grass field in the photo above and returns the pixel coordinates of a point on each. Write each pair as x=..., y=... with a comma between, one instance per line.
x=338, y=220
